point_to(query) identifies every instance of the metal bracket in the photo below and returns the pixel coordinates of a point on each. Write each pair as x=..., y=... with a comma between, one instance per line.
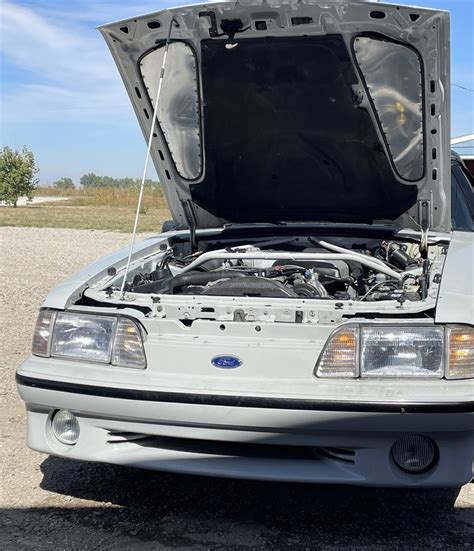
x=191, y=220
x=425, y=218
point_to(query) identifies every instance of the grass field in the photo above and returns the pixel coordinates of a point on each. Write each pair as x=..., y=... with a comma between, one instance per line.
x=107, y=197
x=100, y=209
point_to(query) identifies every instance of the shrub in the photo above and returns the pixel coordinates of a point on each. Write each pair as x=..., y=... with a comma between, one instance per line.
x=17, y=175
x=64, y=184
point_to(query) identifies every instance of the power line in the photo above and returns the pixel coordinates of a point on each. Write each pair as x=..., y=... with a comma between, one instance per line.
x=463, y=87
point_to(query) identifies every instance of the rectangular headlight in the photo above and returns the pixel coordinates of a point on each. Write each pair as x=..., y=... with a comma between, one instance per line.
x=394, y=351
x=402, y=351
x=89, y=337
x=82, y=336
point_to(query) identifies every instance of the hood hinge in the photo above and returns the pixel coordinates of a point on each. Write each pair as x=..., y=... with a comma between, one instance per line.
x=425, y=218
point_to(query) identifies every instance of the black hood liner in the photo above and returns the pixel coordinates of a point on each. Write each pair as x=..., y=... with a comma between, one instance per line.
x=285, y=140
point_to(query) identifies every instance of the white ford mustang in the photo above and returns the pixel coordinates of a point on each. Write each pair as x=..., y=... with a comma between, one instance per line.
x=308, y=313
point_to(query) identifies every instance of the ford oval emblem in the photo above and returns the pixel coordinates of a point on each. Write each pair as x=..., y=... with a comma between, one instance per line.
x=226, y=362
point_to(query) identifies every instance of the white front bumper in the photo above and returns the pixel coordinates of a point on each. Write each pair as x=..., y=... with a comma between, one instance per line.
x=248, y=436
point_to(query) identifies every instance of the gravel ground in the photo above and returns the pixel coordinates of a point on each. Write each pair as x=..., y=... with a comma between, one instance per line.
x=51, y=503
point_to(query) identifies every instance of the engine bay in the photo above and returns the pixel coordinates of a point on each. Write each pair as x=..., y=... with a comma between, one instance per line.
x=313, y=269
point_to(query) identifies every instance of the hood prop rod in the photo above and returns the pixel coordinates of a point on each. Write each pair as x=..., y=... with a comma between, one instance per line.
x=191, y=220
x=147, y=159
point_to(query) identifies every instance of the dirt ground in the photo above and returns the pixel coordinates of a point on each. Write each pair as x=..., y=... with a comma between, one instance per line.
x=51, y=503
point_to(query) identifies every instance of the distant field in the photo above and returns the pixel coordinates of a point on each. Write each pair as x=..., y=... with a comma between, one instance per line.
x=100, y=209
x=107, y=197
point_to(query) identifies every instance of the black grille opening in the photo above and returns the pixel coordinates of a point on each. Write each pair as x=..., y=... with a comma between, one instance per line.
x=233, y=449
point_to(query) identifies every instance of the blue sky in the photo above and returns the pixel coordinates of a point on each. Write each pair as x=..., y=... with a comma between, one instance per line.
x=62, y=97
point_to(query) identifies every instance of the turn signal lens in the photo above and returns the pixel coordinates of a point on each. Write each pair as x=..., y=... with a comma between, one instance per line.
x=339, y=357
x=42, y=334
x=128, y=346
x=460, y=353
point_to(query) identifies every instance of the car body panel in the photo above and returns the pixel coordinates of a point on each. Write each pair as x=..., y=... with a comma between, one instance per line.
x=456, y=294
x=213, y=451
x=425, y=31
x=252, y=442
x=180, y=372
x=69, y=290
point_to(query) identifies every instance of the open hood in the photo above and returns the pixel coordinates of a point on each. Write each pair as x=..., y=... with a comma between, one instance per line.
x=294, y=111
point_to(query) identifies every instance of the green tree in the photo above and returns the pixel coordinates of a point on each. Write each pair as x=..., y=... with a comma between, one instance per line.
x=64, y=183
x=124, y=183
x=17, y=174
x=93, y=180
x=108, y=181
x=90, y=180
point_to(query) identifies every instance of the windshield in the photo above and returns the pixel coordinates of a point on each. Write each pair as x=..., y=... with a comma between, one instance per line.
x=462, y=199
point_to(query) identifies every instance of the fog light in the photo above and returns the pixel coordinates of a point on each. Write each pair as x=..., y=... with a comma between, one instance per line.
x=414, y=453
x=65, y=427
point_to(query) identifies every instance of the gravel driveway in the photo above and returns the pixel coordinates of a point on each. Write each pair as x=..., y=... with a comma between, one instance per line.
x=51, y=503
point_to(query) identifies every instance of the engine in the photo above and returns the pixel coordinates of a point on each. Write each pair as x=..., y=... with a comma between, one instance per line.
x=386, y=272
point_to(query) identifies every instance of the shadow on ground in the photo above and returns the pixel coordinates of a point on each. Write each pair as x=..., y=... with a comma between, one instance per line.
x=147, y=509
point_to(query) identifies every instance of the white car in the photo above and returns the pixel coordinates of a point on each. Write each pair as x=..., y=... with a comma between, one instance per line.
x=308, y=314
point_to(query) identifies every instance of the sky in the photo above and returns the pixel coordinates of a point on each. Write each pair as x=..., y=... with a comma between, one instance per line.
x=62, y=97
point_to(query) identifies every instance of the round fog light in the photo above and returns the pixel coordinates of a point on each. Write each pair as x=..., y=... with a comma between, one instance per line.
x=414, y=453
x=65, y=427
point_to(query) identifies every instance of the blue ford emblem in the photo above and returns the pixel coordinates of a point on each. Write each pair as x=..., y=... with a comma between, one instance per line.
x=226, y=362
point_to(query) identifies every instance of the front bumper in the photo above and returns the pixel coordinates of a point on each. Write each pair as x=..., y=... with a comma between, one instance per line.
x=250, y=437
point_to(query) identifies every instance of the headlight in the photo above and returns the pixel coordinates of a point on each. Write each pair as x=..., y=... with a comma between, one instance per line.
x=397, y=351
x=402, y=352
x=83, y=336
x=102, y=339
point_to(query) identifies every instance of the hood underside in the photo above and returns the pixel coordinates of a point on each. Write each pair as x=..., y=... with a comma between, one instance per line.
x=294, y=112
